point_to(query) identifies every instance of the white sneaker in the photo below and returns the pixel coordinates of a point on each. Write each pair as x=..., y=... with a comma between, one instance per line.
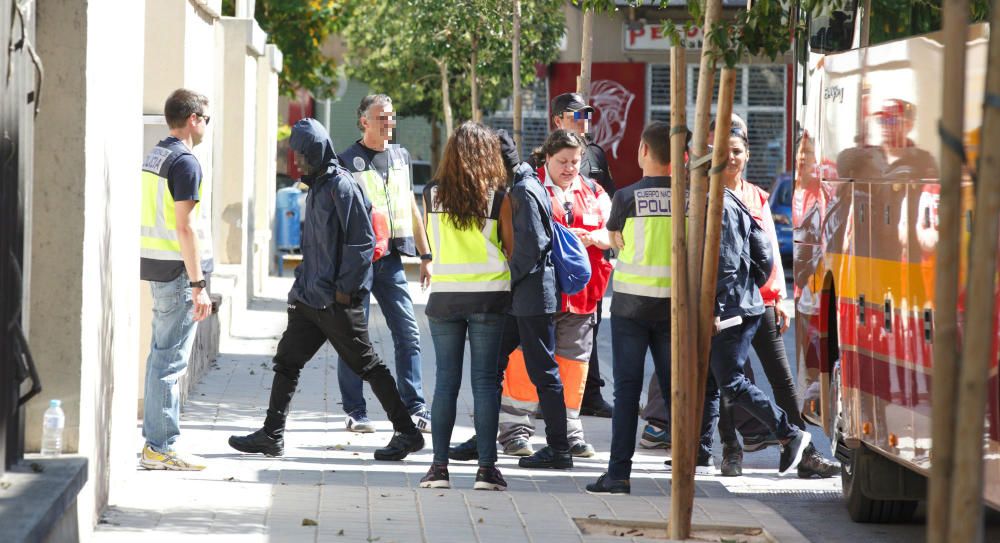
x=422, y=419
x=360, y=423
x=171, y=461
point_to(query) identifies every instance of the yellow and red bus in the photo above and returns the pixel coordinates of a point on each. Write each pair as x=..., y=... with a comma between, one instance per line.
x=865, y=232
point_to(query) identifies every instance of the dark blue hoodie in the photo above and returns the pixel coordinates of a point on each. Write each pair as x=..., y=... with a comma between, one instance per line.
x=337, y=236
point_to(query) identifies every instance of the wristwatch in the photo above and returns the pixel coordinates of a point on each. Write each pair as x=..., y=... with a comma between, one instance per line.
x=428, y=257
x=197, y=284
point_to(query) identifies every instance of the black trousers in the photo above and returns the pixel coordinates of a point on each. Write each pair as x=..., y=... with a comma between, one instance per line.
x=592, y=390
x=346, y=328
x=770, y=349
x=536, y=335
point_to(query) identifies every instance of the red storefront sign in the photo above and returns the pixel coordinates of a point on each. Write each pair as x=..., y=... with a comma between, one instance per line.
x=618, y=93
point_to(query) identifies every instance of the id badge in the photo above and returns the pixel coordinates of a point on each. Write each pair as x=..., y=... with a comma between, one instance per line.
x=591, y=219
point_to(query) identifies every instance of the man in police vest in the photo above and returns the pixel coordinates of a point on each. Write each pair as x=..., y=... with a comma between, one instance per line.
x=571, y=112
x=385, y=174
x=640, y=229
x=176, y=257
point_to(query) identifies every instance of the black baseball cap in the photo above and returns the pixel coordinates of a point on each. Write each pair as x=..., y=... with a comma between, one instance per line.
x=569, y=101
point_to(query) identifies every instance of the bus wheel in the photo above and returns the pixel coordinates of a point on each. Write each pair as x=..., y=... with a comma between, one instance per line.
x=860, y=465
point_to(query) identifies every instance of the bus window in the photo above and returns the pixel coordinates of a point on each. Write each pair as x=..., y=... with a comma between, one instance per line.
x=897, y=19
x=834, y=31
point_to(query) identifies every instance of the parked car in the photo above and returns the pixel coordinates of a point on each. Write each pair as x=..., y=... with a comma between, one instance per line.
x=781, y=212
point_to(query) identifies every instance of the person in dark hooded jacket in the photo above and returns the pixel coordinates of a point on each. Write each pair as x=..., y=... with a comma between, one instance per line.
x=325, y=303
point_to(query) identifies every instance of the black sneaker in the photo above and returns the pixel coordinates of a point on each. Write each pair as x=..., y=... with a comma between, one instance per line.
x=489, y=478
x=732, y=461
x=759, y=442
x=258, y=442
x=607, y=485
x=813, y=464
x=704, y=466
x=600, y=408
x=437, y=477
x=547, y=458
x=400, y=445
x=791, y=452
x=465, y=452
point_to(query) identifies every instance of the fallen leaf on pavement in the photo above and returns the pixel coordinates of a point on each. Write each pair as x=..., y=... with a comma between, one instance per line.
x=309, y=522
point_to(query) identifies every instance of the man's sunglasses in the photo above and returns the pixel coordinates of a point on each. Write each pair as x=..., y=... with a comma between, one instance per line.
x=582, y=114
x=206, y=117
x=568, y=209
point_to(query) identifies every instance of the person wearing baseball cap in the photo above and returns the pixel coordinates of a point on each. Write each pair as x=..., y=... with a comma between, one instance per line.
x=570, y=111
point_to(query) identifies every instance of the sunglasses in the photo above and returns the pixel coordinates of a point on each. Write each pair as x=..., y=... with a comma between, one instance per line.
x=206, y=117
x=568, y=210
x=582, y=114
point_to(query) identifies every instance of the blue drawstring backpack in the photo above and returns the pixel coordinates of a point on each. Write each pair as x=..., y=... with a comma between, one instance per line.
x=570, y=259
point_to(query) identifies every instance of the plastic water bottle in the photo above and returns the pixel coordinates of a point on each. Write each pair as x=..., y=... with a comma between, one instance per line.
x=52, y=429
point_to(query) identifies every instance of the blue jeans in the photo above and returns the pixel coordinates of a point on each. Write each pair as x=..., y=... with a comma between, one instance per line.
x=393, y=296
x=173, y=337
x=630, y=340
x=730, y=354
x=484, y=331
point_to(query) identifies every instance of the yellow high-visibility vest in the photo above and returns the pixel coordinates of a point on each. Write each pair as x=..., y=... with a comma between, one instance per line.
x=392, y=195
x=643, y=267
x=158, y=222
x=466, y=260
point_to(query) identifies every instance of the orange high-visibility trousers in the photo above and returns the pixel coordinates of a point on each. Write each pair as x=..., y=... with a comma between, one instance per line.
x=574, y=342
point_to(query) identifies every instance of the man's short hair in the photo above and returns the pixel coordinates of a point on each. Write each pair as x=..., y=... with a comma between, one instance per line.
x=656, y=136
x=181, y=104
x=367, y=102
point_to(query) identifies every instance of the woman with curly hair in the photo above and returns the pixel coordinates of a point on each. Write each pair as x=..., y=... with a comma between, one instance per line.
x=469, y=226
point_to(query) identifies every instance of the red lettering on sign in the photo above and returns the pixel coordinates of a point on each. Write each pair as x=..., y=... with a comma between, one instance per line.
x=633, y=34
x=657, y=32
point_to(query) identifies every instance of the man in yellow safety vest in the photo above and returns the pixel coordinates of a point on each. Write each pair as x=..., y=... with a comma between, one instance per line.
x=175, y=251
x=384, y=172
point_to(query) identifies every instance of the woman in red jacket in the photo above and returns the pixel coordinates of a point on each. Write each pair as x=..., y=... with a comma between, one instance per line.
x=767, y=342
x=582, y=205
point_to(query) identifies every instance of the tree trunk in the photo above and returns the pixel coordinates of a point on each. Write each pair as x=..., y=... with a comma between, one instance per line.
x=699, y=147
x=586, y=55
x=965, y=520
x=435, y=145
x=445, y=98
x=477, y=115
x=946, y=352
x=683, y=428
x=710, y=270
x=516, y=66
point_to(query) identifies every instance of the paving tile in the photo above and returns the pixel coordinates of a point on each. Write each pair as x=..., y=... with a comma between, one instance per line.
x=328, y=474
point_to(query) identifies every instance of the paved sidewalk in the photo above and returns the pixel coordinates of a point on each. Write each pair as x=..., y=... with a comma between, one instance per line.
x=329, y=488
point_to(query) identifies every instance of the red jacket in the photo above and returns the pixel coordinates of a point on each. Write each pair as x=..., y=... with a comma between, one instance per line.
x=755, y=198
x=590, y=207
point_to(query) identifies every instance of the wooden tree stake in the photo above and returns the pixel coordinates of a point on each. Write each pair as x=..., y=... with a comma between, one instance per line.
x=946, y=351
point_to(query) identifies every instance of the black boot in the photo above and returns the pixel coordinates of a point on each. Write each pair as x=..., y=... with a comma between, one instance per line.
x=732, y=460
x=547, y=458
x=401, y=445
x=813, y=464
x=258, y=442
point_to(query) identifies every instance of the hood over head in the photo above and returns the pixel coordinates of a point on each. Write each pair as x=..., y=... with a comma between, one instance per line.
x=311, y=139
